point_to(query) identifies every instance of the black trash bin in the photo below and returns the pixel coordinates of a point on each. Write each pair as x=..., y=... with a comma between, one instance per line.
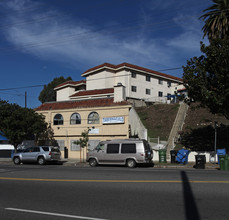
x=173, y=154
x=200, y=161
x=65, y=152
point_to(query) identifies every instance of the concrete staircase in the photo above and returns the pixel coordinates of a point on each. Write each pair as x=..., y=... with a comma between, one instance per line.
x=177, y=126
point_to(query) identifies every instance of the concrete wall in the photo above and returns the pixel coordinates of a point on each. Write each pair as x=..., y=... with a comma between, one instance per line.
x=136, y=126
x=191, y=156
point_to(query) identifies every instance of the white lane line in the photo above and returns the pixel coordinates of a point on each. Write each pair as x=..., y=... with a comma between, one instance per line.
x=53, y=214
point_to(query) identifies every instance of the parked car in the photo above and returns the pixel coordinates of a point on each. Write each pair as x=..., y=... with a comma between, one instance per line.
x=129, y=152
x=39, y=154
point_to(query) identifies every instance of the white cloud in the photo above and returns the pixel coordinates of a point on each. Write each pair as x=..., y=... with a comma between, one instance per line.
x=48, y=36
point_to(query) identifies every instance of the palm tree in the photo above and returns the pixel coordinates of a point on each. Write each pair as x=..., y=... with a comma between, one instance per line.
x=216, y=20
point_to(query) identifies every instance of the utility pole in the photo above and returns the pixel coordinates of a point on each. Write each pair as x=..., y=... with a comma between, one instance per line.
x=25, y=99
x=216, y=125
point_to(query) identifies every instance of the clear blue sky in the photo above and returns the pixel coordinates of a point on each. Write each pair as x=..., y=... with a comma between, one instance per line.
x=44, y=39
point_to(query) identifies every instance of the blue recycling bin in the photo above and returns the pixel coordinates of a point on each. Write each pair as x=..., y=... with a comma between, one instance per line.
x=220, y=152
x=182, y=156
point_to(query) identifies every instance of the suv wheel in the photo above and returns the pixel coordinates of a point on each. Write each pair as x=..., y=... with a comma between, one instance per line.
x=41, y=160
x=17, y=160
x=131, y=163
x=93, y=162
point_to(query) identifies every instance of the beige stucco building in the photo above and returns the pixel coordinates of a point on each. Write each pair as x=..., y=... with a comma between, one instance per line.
x=105, y=118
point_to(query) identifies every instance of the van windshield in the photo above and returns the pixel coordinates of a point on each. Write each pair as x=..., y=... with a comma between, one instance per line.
x=99, y=147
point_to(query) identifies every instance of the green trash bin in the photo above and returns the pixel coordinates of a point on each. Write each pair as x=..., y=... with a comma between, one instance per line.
x=222, y=159
x=226, y=162
x=162, y=156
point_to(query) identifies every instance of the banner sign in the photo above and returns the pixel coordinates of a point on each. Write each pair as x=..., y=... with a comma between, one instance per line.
x=113, y=120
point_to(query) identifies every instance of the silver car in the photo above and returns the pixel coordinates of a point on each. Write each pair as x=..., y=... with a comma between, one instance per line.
x=129, y=152
x=39, y=154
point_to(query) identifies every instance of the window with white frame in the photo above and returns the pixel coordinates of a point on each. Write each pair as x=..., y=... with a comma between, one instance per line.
x=58, y=119
x=148, y=78
x=74, y=146
x=160, y=81
x=75, y=119
x=160, y=94
x=134, y=88
x=61, y=144
x=93, y=118
x=147, y=91
x=133, y=75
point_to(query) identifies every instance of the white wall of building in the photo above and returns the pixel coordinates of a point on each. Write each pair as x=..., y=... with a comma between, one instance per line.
x=100, y=80
x=64, y=93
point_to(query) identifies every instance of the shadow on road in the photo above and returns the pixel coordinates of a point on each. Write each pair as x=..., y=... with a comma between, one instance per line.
x=191, y=210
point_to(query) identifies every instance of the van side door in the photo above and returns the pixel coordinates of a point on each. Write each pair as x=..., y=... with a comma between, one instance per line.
x=128, y=150
x=112, y=155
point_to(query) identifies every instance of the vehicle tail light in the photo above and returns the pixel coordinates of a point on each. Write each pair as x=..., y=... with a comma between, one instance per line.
x=143, y=155
x=50, y=153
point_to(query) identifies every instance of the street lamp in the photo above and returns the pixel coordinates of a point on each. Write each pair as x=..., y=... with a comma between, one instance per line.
x=216, y=125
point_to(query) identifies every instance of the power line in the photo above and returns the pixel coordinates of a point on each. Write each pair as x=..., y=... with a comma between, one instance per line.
x=24, y=87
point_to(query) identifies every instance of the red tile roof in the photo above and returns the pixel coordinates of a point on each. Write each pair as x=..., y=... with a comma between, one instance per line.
x=127, y=65
x=71, y=83
x=93, y=92
x=80, y=104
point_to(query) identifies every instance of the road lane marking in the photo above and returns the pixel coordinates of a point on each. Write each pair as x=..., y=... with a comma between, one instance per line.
x=53, y=214
x=114, y=181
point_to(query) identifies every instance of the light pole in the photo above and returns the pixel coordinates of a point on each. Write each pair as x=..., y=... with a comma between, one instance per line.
x=216, y=125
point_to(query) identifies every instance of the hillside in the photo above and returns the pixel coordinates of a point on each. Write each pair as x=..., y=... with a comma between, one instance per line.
x=158, y=119
x=198, y=131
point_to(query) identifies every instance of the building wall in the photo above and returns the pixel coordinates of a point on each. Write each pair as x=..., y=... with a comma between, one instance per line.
x=63, y=94
x=66, y=134
x=153, y=86
x=100, y=80
x=107, y=79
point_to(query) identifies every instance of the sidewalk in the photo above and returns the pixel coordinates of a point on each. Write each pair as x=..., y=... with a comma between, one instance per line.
x=76, y=163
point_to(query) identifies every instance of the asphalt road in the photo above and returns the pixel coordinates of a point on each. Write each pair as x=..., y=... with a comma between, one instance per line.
x=60, y=192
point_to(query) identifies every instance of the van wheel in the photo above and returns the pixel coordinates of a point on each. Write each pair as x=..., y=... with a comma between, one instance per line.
x=93, y=162
x=41, y=160
x=131, y=163
x=17, y=160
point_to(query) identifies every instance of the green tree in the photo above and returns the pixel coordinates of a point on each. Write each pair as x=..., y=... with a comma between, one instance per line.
x=20, y=124
x=48, y=93
x=83, y=142
x=216, y=20
x=207, y=77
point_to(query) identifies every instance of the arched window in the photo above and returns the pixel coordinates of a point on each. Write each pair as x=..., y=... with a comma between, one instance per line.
x=58, y=119
x=93, y=118
x=75, y=119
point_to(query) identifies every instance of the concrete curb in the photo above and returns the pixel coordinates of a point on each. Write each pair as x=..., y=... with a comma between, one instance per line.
x=77, y=163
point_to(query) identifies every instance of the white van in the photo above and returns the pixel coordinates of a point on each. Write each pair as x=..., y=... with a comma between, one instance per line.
x=129, y=152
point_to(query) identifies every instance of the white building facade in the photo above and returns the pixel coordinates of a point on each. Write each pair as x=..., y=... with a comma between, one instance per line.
x=138, y=84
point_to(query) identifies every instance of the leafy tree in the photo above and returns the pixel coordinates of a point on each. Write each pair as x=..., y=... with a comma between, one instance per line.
x=207, y=77
x=216, y=20
x=20, y=124
x=48, y=93
x=83, y=142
